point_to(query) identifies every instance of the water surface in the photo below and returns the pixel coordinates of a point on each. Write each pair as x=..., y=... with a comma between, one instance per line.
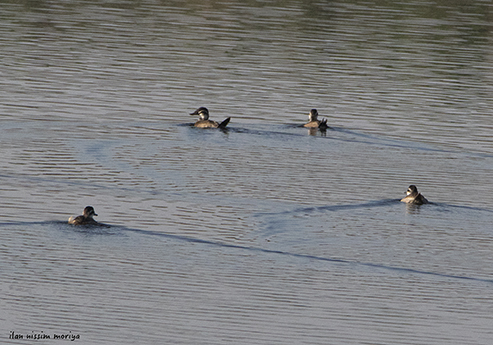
x=266, y=233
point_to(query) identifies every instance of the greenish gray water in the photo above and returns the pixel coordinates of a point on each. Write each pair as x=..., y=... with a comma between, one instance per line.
x=266, y=233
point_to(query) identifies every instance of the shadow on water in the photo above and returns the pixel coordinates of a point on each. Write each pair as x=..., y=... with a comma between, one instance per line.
x=352, y=137
x=376, y=203
x=302, y=256
x=450, y=208
x=99, y=229
x=108, y=230
x=333, y=208
x=348, y=135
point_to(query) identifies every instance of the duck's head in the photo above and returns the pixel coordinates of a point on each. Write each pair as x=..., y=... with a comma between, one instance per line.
x=313, y=115
x=89, y=212
x=412, y=190
x=202, y=112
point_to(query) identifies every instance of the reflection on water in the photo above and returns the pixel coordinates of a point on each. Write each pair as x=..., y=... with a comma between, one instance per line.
x=266, y=232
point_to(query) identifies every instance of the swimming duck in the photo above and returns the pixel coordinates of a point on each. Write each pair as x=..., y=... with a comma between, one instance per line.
x=204, y=121
x=314, y=122
x=414, y=197
x=85, y=219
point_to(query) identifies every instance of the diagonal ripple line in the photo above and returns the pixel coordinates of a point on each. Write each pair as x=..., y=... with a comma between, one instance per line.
x=375, y=203
x=269, y=251
x=305, y=256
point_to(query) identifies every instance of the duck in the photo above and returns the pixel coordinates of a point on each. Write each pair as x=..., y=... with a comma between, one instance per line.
x=314, y=122
x=414, y=197
x=204, y=121
x=85, y=219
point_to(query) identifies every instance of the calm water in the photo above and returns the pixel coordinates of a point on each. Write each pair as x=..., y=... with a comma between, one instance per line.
x=264, y=233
